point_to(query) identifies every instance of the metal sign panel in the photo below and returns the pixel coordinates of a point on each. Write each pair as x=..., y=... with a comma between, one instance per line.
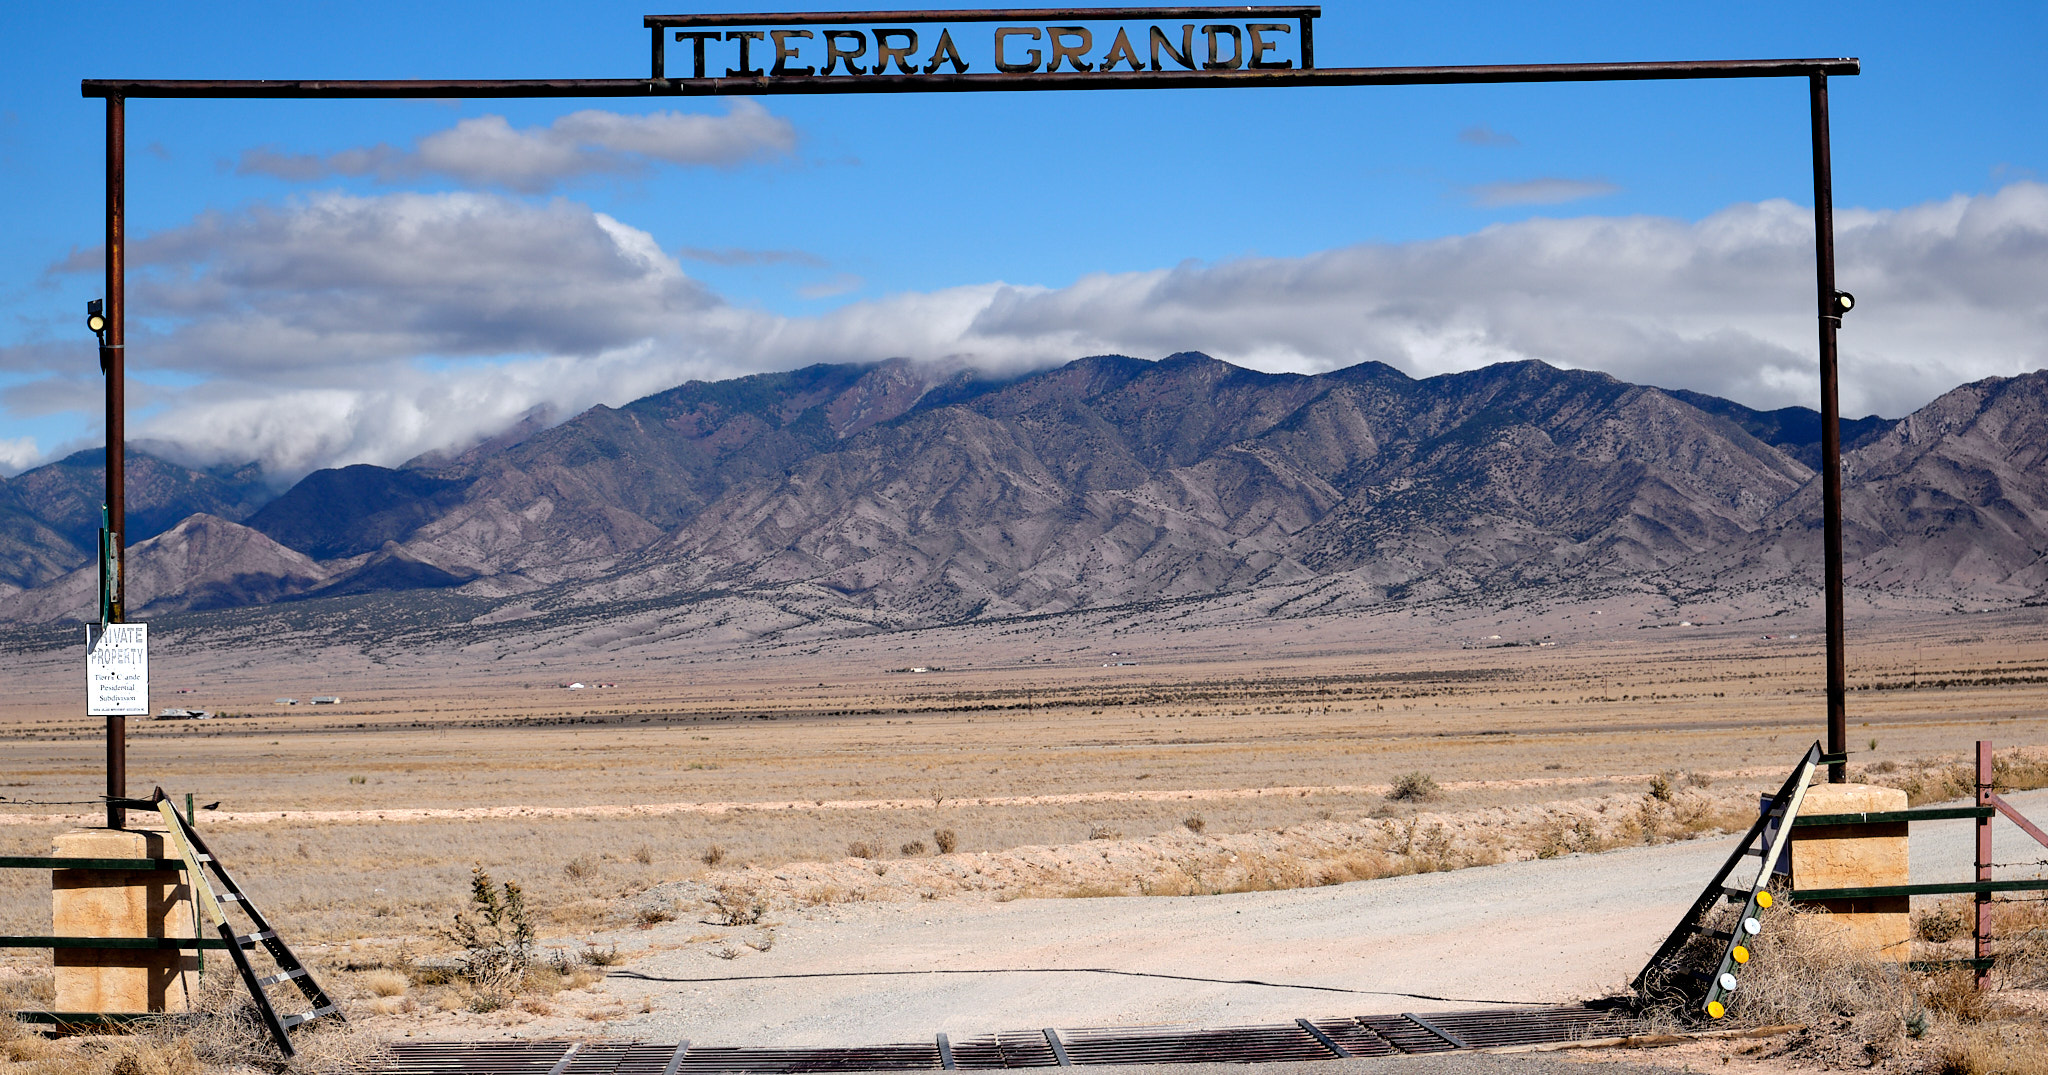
x=117, y=670
x=1239, y=38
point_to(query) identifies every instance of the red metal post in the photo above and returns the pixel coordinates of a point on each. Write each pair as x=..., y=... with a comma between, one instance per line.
x=113, y=357
x=1982, y=928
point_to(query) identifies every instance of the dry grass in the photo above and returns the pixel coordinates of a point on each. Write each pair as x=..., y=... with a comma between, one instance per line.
x=222, y=1034
x=1413, y=787
x=2019, y=931
x=2009, y=1049
x=738, y=905
x=1803, y=971
x=1859, y=1011
x=386, y=983
x=1645, y=737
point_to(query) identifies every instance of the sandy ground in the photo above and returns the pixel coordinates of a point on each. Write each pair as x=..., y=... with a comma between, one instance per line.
x=1552, y=930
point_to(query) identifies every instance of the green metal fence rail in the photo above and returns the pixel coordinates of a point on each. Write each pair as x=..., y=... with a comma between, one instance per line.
x=60, y=862
x=1939, y=888
x=1988, y=806
x=33, y=862
x=1880, y=817
x=75, y=862
x=114, y=942
x=86, y=1019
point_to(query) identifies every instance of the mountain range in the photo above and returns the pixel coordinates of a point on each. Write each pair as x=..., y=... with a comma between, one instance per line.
x=908, y=495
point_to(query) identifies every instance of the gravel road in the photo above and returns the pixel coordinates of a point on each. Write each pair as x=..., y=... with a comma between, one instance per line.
x=1549, y=931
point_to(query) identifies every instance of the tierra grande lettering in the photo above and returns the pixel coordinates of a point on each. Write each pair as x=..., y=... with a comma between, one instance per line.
x=1017, y=50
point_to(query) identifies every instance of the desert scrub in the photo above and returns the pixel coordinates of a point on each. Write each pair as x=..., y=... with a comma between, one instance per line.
x=2010, y=1049
x=495, y=933
x=737, y=905
x=1413, y=787
x=385, y=982
x=945, y=841
x=1944, y=921
x=1804, y=970
x=228, y=1035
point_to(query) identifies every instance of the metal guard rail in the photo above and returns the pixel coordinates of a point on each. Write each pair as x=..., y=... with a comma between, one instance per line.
x=1944, y=888
x=50, y=862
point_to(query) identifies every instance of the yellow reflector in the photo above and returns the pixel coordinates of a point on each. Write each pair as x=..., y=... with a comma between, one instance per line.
x=1716, y=1009
x=1763, y=899
x=1741, y=954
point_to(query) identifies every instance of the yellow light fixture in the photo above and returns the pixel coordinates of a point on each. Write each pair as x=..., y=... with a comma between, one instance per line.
x=1716, y=1009
x=1763, y=899
x=1740, y=954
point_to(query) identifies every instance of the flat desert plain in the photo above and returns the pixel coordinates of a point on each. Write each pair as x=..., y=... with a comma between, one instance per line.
x=1091, y=755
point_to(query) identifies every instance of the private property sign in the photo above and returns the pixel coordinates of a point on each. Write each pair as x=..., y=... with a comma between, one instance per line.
x=117, y=670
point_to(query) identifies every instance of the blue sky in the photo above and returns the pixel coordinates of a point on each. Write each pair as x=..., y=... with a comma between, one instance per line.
x=330, y=282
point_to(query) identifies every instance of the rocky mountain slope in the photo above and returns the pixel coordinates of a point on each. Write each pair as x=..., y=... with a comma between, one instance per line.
x=907, y=495
x=50, y=516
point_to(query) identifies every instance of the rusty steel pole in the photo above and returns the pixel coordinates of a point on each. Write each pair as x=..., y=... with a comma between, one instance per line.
x=113, y=362
x=1980, y=926
x=1830, y=429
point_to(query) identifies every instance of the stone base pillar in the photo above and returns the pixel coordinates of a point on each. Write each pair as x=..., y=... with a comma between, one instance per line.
x=1857, y=856
x=121, y=903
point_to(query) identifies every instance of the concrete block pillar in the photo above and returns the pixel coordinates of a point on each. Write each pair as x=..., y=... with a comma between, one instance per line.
x=1857, y=856
x=121, y=903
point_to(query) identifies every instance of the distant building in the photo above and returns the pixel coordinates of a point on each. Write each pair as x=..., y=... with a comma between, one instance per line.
x=573, y=687
x=184, y=714
x=286, y=701
x=327, y=699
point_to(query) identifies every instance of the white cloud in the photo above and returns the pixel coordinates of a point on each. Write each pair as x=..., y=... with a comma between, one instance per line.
x=489, y=151
x=18, y=453
x=1547, y=190
x=342, y=329
x=333, y=282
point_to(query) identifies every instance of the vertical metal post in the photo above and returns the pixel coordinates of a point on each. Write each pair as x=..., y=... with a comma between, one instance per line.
x=199, y=954
x=1980, y=927
x=1830, y=428
x=659, y=55
x=113, y=361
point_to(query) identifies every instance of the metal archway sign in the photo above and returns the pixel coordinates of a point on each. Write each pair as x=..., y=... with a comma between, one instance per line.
x=1008, y=50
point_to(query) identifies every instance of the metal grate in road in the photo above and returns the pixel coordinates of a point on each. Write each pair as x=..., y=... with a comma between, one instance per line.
x=1321, y=1039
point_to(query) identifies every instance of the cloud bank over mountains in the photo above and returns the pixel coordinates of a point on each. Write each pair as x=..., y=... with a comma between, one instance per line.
x=333, y=329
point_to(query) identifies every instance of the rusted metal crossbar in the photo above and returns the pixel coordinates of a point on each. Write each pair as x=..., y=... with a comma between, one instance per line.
x=1303, y=1039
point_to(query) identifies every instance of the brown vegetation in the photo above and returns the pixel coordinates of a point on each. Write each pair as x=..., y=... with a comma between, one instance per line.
x=1212, y=773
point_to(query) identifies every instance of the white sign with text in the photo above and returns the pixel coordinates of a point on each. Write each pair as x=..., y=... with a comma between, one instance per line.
x=117, y=670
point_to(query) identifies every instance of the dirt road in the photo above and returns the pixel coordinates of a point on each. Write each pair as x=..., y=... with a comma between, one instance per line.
x=844, y=974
